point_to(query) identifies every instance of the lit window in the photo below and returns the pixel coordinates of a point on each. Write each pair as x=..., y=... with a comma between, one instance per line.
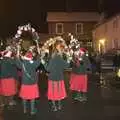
x=59, y=28
x=79, y=28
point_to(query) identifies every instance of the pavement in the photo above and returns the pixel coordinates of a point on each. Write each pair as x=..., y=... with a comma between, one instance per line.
x=103, y=104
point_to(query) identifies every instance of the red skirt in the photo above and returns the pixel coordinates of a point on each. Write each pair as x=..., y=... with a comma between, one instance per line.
x=78, y=82
x=56, y=90
x=0, y=88
x=29, y=92
x=8, y=86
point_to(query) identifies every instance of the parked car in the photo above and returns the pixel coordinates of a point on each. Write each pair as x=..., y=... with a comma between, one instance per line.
x=107, y=61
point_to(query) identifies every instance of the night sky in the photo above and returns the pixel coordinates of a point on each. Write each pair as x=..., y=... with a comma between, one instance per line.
x=18, y=12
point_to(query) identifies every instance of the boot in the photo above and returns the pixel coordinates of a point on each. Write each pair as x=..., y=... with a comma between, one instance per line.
x=54, y=107
x=74, y=95
x=78, y=97
x=33, y=109
x=84, y=97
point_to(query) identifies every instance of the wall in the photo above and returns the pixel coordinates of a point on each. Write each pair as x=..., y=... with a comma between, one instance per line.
x=70, y=27
x=110, y=31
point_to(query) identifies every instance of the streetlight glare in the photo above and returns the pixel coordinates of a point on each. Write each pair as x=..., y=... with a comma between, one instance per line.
x=102, y=41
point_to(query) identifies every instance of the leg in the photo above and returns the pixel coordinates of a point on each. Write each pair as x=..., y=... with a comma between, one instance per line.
x=2, y=103
x=59, y=105
x=11, y=101
x=54, y=107
x=79, y=96
x=84, y=96
x=33, y=109
x=25, y=106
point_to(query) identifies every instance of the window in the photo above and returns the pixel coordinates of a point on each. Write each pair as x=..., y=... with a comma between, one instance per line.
x=59, y=28
x=79, y=28
x=115, y=24
x=89, y=44
x=116, y=43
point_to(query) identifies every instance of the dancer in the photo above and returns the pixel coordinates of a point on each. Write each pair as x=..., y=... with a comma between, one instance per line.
x=8, y=77
x=56, y=86
x=29, y=88
x=78, y=82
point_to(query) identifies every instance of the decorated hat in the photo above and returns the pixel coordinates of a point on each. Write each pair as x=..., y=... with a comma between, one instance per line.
x=82, y=50
x=28, y=56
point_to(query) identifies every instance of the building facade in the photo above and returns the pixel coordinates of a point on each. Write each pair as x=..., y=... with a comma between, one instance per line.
x=80, y=24
x=106, y=35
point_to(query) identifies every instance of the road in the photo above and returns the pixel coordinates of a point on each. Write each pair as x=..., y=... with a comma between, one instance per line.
x=103, y=104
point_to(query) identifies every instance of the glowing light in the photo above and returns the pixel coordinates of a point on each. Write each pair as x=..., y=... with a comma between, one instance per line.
x=33, y=30
x=19, y=32
x=102, y=41
x=25, y=29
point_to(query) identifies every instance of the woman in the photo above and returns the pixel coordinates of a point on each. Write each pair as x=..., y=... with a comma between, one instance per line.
x=55, y=68
x=78, y=82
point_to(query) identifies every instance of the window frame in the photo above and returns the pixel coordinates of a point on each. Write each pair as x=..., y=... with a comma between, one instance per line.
x=57, y=24
x=82, y=31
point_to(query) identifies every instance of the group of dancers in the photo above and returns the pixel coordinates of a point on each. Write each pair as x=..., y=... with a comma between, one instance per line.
x=13, y=65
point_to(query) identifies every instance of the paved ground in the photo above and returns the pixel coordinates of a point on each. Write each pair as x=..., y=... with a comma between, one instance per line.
x=103, y=104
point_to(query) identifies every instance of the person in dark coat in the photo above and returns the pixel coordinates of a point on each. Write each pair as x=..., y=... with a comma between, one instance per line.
x=29, y=87
x=116, y=61
x=78, y=82
x=55, y=68
x=8, y=77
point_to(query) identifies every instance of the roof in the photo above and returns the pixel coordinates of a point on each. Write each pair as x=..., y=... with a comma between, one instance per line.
x=105, y=20
x=72, y=16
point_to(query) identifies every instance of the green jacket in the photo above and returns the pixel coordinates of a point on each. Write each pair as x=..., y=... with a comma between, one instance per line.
x=8, y=68
x=82, y=67
x=29, y=75
x=56, y=68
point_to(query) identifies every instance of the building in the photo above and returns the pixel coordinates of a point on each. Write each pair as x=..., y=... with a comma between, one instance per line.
x=80, y=24
x=106, y=34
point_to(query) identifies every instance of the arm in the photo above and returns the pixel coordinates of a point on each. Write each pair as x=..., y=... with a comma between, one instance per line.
x=18, y=63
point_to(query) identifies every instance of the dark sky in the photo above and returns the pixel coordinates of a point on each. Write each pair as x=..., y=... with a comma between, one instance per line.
x=16, y=12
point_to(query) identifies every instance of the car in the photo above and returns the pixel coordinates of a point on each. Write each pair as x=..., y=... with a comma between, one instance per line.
x=107, y=61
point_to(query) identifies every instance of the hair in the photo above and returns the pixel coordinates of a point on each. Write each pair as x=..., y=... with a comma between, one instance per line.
x=58, y=42
x=54, y=50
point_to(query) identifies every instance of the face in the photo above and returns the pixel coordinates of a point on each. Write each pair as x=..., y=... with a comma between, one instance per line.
x=60, y=47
